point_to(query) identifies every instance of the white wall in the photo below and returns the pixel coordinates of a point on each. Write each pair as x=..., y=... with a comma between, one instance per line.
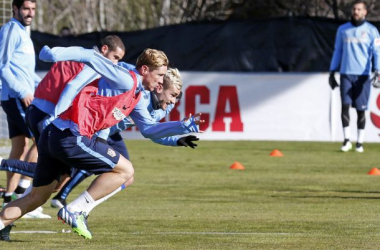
x=295, y=107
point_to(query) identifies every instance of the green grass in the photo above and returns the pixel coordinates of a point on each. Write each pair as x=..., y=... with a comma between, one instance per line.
x=314, y=197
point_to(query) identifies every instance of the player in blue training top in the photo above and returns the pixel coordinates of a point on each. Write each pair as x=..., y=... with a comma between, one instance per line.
x=68, y=142
x=161, y=103
x=18, y=78
x=356, y=43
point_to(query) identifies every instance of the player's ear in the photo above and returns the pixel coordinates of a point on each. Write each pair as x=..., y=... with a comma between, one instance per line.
x=104, y=49
x=144, y=70
x=159, y=88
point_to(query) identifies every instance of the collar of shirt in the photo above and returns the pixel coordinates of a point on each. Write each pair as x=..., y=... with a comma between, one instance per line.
x=19, y=24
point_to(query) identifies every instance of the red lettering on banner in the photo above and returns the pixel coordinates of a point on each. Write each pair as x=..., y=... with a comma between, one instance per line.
x=204, y=93
x=227, y=94
x=375, y=118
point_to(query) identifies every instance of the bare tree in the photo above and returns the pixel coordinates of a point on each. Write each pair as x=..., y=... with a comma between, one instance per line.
x=127, y=15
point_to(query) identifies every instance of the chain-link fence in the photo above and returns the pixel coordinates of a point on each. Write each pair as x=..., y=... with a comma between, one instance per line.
x=5, y=11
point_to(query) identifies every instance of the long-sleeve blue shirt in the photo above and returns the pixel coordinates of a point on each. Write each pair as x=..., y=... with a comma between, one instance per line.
x=354, y=49
x=156, y=115
x=116, y=80
x=17, y=63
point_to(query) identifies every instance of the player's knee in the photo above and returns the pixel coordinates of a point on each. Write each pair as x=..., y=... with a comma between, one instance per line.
x=125, y=169
x=129, y=172
x=361, y=119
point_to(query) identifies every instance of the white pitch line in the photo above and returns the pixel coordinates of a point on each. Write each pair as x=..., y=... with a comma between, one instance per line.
x=217, y=233
x=33, y=232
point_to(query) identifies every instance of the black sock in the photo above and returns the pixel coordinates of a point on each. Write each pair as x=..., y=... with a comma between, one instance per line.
x=7, y=198
x=20, y=190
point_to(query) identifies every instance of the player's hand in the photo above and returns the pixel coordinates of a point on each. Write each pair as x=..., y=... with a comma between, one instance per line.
x=375, y=81
x=192, y=122
x=27, y=100
x=196, y=118
x=333, y=83
x=188, y=141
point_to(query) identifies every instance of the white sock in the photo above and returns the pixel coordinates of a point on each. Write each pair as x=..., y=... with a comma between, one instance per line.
x=347, y=132
x=1, y=225
x=105, y=198
x=8, y=194
x=1, y=159
x=360, y=135
x=83, y=203
x=24, y=183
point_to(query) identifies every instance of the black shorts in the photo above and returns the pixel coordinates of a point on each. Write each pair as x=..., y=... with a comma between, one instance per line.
x=34, y=118
x=15, y=110
x=355, y=90
x=60, y=150
x=117, y=143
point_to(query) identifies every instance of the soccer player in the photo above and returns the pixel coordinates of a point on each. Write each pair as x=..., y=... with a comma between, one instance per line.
x=54, y=84
x=357, y=43
x=18, y=83
x=49, y=90
x=162, y=101
x=68, y=140
x=59, y=77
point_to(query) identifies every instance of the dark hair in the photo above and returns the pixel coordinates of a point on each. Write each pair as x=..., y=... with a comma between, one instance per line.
x=113, y=42
x=19, y=3
x=359, y=2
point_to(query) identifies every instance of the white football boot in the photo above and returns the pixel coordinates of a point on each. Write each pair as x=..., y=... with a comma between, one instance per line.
x=347, y=146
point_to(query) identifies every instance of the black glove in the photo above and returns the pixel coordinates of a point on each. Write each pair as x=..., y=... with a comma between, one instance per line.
x=188, y=141
x=333, y=83
x=375, y=81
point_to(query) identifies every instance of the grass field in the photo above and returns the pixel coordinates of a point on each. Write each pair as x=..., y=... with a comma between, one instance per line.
x=314, y=197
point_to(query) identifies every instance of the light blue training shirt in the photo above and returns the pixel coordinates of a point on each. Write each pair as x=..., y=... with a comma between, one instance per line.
x=116, y=80
x=354, y=48
x=18, y=61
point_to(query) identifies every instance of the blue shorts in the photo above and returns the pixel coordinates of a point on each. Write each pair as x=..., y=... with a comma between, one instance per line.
x=117, y=143
x=34, y=117
x=355, y=90
x=59, y=150
x=15, y=110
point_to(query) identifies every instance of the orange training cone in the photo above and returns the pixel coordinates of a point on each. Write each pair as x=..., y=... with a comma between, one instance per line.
x=237, y=165
x=276, y=153
x=374, y=171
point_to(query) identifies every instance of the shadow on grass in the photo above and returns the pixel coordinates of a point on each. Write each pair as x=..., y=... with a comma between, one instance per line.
x=327, y=197
x=332, y=196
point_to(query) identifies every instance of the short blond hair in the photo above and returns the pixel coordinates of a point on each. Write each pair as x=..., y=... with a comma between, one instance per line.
x=152, y=58
x=173, y=77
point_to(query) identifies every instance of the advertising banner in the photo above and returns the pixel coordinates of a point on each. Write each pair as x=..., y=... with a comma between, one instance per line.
x=246, y=106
